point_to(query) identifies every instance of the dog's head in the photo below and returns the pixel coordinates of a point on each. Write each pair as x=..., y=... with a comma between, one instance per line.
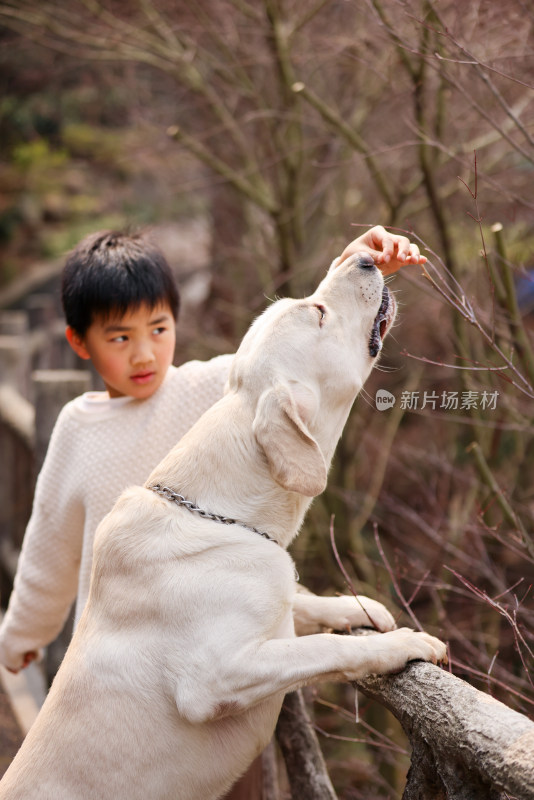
x=303, y=362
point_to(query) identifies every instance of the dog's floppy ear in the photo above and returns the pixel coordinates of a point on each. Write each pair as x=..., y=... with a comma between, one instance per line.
x=294, y=457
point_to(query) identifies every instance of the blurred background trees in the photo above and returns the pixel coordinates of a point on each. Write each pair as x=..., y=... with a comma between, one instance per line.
x=279, y=126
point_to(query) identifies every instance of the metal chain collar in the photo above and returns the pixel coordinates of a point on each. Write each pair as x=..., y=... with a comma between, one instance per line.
x=174, y=497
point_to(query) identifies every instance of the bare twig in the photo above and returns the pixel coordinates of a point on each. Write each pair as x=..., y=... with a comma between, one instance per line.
x=405, y=604
x=489, y=479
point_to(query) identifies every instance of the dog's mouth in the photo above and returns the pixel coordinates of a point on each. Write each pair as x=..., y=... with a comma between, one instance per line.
x=382, y=323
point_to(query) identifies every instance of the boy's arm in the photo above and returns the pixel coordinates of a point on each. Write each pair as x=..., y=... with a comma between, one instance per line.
x=47, y=573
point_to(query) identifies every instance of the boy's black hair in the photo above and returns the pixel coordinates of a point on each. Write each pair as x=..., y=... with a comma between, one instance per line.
x=111, y=272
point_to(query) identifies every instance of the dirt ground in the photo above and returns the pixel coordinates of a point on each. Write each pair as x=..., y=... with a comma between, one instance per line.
x=10, y=735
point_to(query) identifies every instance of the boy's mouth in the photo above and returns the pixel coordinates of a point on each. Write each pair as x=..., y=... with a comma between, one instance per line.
x=143, y=377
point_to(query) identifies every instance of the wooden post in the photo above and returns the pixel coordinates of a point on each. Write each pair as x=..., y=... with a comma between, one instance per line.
x=41, y=309
x=14, y=323
x=53, y=388
x=14, y=362
x=42, y=314
x=14, y=350
x=17, y=436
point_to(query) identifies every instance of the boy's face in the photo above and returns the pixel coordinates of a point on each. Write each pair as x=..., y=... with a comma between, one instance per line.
x=131, y=353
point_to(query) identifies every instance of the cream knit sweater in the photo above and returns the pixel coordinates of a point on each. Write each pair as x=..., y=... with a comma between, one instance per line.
x=98, y=448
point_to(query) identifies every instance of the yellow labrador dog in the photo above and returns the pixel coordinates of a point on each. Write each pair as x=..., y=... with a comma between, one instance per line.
x=176, y=674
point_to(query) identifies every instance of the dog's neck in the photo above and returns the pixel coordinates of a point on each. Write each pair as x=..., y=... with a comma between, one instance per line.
x=180, y=500
x=219, y=466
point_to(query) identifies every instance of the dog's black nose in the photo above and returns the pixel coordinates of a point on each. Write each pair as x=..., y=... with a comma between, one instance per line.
x=365, y=261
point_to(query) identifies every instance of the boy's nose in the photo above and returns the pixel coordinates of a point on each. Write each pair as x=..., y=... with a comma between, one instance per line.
x=142, y=354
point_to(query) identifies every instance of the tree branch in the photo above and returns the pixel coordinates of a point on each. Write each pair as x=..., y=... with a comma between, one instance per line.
x=305, y=767
x=351, y=136
x=261, y=199
x=465, y=743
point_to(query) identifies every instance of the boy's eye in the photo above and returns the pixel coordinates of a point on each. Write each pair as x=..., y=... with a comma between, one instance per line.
x=121, y=338
x=160, y=329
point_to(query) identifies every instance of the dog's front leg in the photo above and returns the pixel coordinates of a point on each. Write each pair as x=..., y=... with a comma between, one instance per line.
x=254, y=673
x=313, y=614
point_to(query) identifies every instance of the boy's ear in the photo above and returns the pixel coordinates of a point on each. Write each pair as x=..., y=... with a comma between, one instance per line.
x=77, y=343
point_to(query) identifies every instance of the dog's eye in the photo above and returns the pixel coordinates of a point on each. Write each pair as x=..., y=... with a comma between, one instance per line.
x=322, y=311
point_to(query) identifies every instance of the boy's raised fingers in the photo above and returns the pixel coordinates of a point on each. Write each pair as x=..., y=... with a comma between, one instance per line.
x=399, y=248
x=385, y=244
x=390, y=251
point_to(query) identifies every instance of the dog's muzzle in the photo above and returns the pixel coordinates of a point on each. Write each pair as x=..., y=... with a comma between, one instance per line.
x=382, y=322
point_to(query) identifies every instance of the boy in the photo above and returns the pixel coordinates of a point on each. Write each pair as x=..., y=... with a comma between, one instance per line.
x=121, y=305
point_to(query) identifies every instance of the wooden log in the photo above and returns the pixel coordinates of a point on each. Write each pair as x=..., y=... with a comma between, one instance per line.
x=465, y=744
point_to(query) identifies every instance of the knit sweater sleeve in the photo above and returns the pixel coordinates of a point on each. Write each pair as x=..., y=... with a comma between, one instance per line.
x=47, y=573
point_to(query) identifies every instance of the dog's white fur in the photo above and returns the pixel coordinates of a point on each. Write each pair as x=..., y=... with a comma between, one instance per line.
x=176, y=674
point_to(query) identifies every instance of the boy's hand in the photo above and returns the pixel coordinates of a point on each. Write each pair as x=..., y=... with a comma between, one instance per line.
x=389, y=250
x=28, y=658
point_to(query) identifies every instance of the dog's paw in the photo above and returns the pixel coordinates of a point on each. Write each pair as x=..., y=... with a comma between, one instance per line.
x=349, y=611
x=393, y=650
x=366, y=612
x=313, y=614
